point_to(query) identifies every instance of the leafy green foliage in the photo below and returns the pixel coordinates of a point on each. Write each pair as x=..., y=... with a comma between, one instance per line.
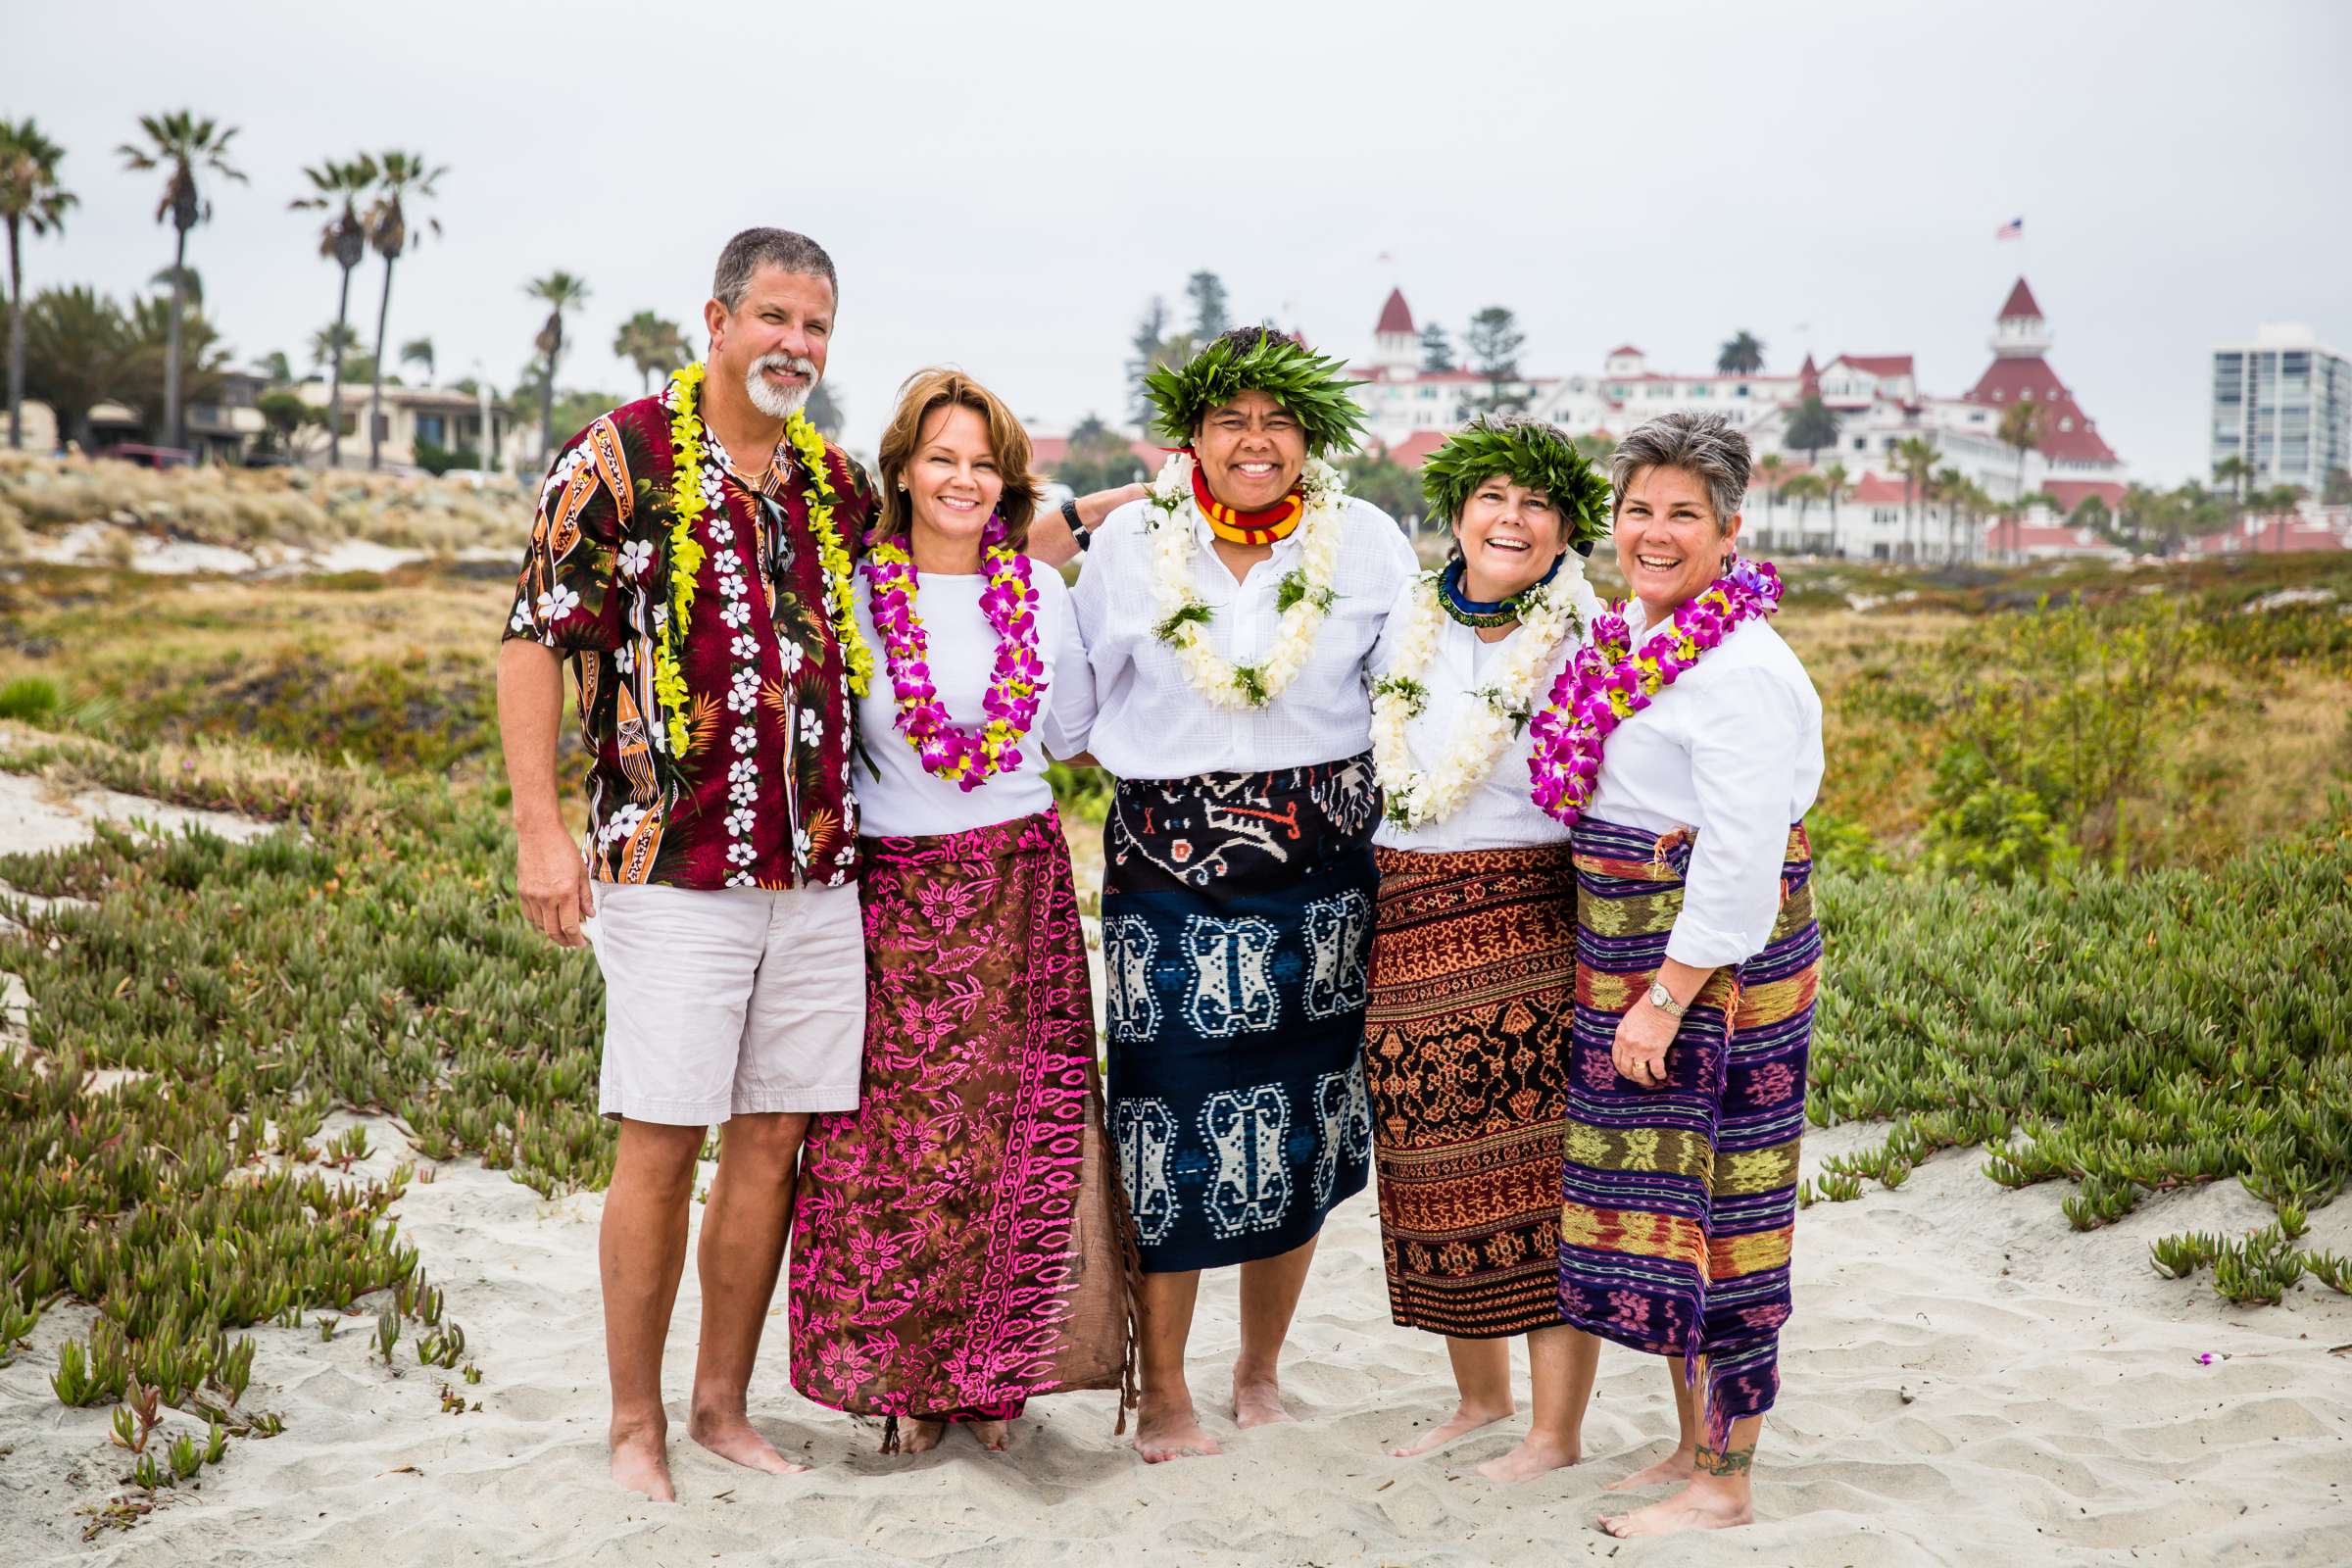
x=1309, y=385
x=1531, y=453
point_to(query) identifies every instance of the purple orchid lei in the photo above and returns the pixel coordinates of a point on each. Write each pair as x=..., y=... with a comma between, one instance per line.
x=1606, y=683
x=950, y=751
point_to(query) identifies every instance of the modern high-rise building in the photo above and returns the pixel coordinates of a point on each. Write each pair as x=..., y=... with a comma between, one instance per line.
x=2283, y=404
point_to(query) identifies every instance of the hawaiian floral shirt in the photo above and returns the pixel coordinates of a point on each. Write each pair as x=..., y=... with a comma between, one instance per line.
x=760, y=795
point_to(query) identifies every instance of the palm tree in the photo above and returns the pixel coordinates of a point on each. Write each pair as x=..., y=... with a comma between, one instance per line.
x=2282, y=502
x=2023, y=425
x=336, y=189
x=1768, y=468
x=1805, y=488
x=405, y=177
x=182, y=144
x=1915, y=459
x=1743, y=354
x=1950, y=487
x=1833, y=485
x=653, y=345
x=418, y=351
x=563, y=292
x=30, y=198
x=75, y=343
x=2233, y=471
x=330, y=342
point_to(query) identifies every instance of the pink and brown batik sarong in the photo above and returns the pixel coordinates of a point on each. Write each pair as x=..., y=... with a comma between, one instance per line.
x=961, y=1242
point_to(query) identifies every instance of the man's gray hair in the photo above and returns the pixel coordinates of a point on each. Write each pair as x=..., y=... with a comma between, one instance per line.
x=1703, y=445
x=754, y=248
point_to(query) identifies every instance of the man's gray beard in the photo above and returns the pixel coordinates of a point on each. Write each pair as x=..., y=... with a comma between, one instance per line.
x=776, y=404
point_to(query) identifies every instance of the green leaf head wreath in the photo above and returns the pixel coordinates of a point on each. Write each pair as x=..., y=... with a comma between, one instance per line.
x=1309, y=386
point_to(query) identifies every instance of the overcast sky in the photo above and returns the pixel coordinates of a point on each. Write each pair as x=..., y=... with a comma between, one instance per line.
x=1003, y=186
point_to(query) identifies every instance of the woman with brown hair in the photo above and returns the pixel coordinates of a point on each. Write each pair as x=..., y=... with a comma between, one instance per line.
x=961, y=1242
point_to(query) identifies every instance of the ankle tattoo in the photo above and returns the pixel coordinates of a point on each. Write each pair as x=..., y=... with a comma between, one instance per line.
x=1724, y=1461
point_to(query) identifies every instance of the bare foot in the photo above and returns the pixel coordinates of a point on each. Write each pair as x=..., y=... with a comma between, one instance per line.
x=641, y=1463
x=994, y=1436
x=921, y=1437
x=1674, y=1470
x=1694, y=1508
x=1167, y=1429
x=1537, y=1455
x=1465, y=1420
x=731, y=1437
x=1257, y=1403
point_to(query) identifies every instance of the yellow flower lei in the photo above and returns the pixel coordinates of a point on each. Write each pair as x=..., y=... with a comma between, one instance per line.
x=857, y=660
x=686, y=507
x=685, y=550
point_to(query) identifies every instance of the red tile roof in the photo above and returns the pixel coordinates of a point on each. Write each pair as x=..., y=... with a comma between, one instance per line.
x=2009, y=535
x=2019, y=303
x=2071, y=493
x=2069, y=437
x=1877, y=364
x=1047, y=453
x=1874, y=490
x=1415, y=448
x=1394, y=315
x=1623, y=347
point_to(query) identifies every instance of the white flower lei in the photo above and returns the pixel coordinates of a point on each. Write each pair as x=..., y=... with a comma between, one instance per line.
x=1307, y=593
x=1550, y=615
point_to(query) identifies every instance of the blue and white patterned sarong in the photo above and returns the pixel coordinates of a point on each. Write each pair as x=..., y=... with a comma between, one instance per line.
x=1237, y=944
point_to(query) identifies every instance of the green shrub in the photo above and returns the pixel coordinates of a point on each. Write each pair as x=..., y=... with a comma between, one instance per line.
x=29, y=698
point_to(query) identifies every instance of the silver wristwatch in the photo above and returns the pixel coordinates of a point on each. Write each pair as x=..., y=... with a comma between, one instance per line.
x=1663, y=1000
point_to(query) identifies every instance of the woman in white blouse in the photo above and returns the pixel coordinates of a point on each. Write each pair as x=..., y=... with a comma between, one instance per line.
x=1474, y=964
x=1697, y=958
x=1228, y=618
x=961, y=1241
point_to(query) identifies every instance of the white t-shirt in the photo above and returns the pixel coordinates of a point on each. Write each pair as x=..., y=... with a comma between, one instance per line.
x=906, y=801
x=1502, y=812
x=1141, y=716
x=1732, y=749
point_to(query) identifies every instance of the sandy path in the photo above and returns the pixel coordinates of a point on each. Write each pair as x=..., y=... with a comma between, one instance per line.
x=1956, y=1393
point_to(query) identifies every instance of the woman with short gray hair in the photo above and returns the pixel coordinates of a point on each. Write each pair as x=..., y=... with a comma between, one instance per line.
x=1683, y=744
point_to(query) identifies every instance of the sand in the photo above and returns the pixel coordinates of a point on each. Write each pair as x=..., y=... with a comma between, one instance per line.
x=1967, y=1381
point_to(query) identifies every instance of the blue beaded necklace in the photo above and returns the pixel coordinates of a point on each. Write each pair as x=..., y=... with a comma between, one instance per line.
x=1480, y=613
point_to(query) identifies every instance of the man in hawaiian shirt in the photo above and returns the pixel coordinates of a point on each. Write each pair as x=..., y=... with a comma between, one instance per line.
x=699, y=614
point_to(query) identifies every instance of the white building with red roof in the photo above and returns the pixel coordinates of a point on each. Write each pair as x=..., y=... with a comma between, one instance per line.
x=1876, y=396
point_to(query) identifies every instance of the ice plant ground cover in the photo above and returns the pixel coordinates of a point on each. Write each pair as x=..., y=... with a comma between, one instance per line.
x=2124, y=998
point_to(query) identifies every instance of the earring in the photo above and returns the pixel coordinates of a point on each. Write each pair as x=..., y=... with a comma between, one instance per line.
x=1729, y=555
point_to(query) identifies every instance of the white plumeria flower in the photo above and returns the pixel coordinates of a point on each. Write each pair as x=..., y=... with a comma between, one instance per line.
x=802, y=844
x=520, y=621
x=723, y=532
x=791, y=656
x=635, y=557
x=746, y=739
x=743, y=770
x=812, y=728
x=556, y=602
x=740, y=701
x=624, y=658
x=739, y=823
x=740, y=853
x=741, y=879
x=744, y=794
x=736, y=616
x=745, y=646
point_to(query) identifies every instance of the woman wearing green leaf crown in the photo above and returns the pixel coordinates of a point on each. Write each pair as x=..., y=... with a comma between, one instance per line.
x=1474, y=963
x=1228, y=618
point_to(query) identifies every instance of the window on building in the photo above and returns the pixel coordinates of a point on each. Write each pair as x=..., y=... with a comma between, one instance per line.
x=429, y=428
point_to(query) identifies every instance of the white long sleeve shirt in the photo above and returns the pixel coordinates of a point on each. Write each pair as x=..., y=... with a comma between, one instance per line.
x=1502, y=812
x=1732, y=749
x=1141, y=716
x=904, y=800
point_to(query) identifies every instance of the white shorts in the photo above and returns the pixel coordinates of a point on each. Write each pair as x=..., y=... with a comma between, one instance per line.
x=729, y=1003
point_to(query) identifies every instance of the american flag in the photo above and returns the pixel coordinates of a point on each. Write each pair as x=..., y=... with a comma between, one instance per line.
x=2014, y=229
